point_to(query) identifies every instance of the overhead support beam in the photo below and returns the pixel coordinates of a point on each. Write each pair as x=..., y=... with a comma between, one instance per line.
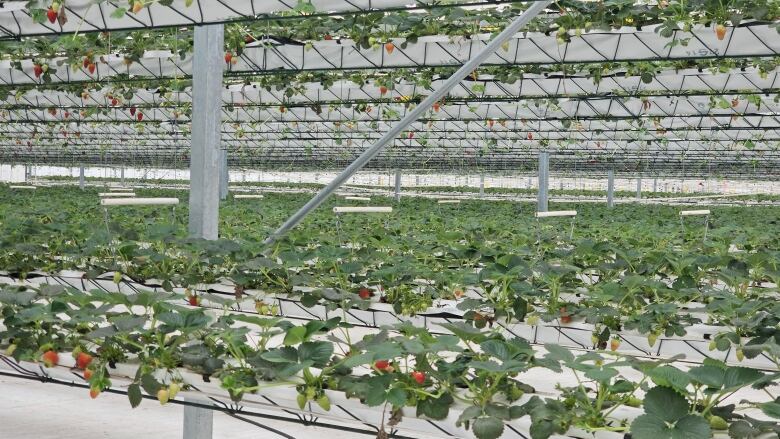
x=544, y=181
x=397, y=185
x=611, y=188
x=418, y=111
x=81, y=177
x=206, y=131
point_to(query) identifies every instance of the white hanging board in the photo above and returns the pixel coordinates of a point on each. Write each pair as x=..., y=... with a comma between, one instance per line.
x=139, y=202
x=22, y=187
x=367, y=209
x=358, y=198
x=556, y=213
x=247, y=196
x=449, y=201
x=694, y=212
x=116, y=194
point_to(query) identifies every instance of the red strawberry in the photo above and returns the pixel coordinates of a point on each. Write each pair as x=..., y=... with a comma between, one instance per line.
x=418, y=376
x=228, y=57
x=51, y=14
x=327, y=37
x=50, y=358
x=720, y=32
x=282, y=109
x=530, y=136
x=490, y=123
x=85, y=63
x=132, y=111
x=194, y=300
x=91, y=67
x=94, y=393
x=614, y=344
x=389, y=47
x=87, y=375
x=140, y=117
x=365, y=293
x=411, y=134
x=114, y=102
x=83, y=360
x=38, y=70
x=565, y=317
x=436, y=107
x=381, y=364
x=383, y=90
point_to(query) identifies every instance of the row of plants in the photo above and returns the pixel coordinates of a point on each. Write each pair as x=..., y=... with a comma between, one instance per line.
x=404, y=371
x=614, y=275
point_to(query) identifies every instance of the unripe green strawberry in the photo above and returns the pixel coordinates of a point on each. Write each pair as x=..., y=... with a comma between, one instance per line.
x=11, y=349
x=718, y=423
x=310, y=393
x=652, y=338
x=117, y=277
x=713, y=345
x=163, y=396
x=633, y=401
x=594, y=339
x=173, y=390
x=532, y=320
x=301, y=401
x=740, y=354
x=324, y=402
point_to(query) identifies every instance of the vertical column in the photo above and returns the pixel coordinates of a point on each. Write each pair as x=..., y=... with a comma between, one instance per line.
x=397, y=185
x=224, y=174
x=544, y=180
x=206, y=131
x=639, y=188
x=655, y=184
x=417, y=180
x=611, y=188
x=122, y=176
x=198, y=421
x=81, y=177
x=481, y=185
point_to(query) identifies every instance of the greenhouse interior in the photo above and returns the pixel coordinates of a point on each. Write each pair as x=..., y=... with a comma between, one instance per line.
x=390, y=219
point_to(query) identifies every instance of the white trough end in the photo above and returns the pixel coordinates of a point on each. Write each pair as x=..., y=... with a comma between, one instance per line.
x=367, y=209
x=139, y=202
x=694, y=212
x=22, y=187
x=449, y=201
x=556, y=213
x=357, y=198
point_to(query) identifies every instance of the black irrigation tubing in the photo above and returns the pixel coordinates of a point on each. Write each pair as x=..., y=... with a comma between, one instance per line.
x=225, y=409
x=271, y=17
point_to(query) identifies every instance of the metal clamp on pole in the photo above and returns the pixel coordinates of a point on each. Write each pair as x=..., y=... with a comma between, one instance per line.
x=533, y=10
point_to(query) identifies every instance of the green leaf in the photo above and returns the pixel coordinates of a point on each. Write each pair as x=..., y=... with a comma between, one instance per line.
x=397, y=397
x=650, y=427
x=559, y=353
x=319, y=352
x=134, y=395
x=737, y=377
x=669, y=376
x=294, y=335
x=711, y=376
x=692, y=427
x=771, y=409
x=665, y=404
x=488, y=428
x=118, y=13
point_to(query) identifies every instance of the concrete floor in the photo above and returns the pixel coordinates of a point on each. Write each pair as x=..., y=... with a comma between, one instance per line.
x=31, y=410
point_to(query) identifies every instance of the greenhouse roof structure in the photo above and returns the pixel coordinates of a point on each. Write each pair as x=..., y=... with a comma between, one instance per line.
x=652, y=97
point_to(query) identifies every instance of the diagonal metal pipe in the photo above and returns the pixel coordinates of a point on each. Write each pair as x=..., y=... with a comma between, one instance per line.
x=472, y=64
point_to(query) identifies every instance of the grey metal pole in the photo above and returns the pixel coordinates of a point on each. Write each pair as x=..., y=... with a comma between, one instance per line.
x=397, y=185
x=198, y=421
x=639, y=188
x=655, y=184
x=481, y=185
x=544, y=181
x=206, y=131
x=122, y=176
x=81, y=177
x=224, y=174
x=416, y=113
x=611, y=188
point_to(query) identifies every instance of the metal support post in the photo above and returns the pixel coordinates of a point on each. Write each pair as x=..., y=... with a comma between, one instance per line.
x=198, y=421
x=639, y=188
x=655, y=184
x=81, y=177
x=397, y=185
x=544, y=180
x=206, y=131
x=467, y=69
x=122, y=176
x=224, y=174
x=611, y=188
x=481, y=185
